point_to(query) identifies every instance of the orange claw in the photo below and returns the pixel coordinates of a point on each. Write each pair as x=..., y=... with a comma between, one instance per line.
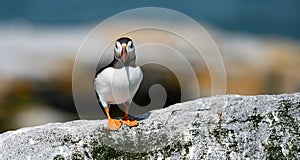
x=114, y=124
x=127, y=121
x=130, y=122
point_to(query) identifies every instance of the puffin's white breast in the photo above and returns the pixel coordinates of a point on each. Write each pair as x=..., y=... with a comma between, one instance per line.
x=118, y=85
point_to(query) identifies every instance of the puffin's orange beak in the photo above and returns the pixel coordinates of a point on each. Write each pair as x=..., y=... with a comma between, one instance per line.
x=123, y=53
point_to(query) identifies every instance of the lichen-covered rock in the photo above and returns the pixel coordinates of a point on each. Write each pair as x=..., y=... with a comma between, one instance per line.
x=221, y=127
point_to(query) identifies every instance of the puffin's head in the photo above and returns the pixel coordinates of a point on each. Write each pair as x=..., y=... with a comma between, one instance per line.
x=124, y=50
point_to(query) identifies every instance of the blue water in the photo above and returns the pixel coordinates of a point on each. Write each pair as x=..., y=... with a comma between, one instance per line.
x=271, y=17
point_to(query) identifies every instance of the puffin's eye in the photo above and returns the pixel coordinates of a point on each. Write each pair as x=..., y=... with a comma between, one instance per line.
x=131, y=46
x=116, y=46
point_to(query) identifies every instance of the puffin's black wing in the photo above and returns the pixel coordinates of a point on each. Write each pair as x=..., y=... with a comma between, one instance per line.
x=100, y=68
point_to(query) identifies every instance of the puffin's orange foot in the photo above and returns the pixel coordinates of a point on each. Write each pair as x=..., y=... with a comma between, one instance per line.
x=114, y=124
x=130, y=122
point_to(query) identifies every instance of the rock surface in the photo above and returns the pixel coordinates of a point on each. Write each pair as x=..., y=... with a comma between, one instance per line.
x=221, y=127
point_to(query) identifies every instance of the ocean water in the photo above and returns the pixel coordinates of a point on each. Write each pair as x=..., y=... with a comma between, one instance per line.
x=268, y=17
x=32, y=30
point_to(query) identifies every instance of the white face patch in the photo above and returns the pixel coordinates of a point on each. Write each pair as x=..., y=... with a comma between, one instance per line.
x=118, y=47
x=129, y=47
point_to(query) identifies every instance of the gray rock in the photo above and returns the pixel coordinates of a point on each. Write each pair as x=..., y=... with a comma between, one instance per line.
x=221, y=127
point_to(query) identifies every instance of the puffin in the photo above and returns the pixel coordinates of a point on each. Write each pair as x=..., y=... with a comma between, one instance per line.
x=118, y=82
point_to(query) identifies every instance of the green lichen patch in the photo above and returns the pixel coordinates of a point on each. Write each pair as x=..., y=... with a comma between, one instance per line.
x=254, y=118
x=59, y=157
x=100, y=151
x=223, y=134
x=140, y=140
x=279, y=146
x=99, y=146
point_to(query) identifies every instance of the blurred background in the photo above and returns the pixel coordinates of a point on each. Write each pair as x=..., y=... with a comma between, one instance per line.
x=259, y=42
